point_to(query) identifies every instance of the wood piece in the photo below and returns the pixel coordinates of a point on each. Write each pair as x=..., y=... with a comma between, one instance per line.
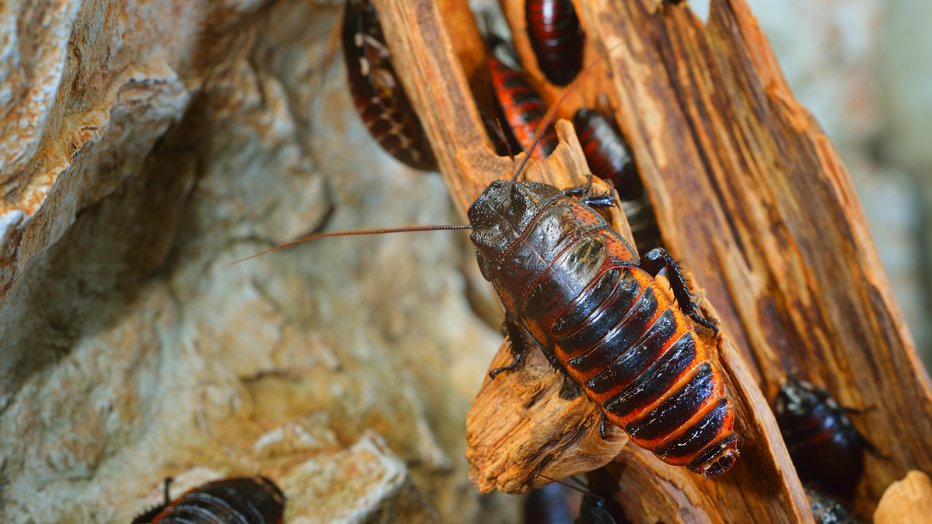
x=421, y=46
x=907, y=500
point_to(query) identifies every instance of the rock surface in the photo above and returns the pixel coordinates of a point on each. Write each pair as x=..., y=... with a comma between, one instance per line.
x=145, y=147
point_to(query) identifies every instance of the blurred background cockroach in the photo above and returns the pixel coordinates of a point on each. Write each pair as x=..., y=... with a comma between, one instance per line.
x=826, y=448
x=378, y=93
x=246, y=500
x=519, y=105
x=556, y=38
x=609, y=158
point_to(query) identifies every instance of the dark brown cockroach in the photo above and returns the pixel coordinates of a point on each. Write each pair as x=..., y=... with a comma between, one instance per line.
x=825, y=447
x=556, y=38
x=607, y=154
x=245, y=500
x=377, y=92
x=518, y=103
x=609, y=158
x=827, y=510
x=574, y=288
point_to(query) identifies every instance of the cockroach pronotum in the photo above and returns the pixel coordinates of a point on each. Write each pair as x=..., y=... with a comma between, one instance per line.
x=519, y=104
x=825, y=447
x=609, y=158
x=556, y=38
x=377, y=92
x=574, y=288
x=827, y=510
x=247, y=500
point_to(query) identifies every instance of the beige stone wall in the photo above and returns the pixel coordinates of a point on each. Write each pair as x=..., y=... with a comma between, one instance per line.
x=145, y=146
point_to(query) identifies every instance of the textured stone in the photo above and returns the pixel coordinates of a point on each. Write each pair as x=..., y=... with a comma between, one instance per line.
x=175, y=137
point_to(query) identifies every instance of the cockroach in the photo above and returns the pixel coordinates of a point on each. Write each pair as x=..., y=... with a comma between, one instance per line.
x=827, y=510
x=609, y=158
x=518, y=103
x=377, y=92
x=573, y=287
x=245, y=500
x=556, y=38
x=825, y=447
x=607, y=154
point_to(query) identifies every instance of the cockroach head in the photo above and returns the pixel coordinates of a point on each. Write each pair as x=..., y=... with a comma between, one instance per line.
x=501, y=213
x=797, y=398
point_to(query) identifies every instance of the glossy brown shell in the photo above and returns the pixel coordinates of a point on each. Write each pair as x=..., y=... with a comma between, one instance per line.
x=377, y=91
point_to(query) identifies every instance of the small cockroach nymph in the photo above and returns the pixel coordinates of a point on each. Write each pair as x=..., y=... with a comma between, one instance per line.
x=826, y=448
x=556, y=38
x=377, y=91
x=246, y=500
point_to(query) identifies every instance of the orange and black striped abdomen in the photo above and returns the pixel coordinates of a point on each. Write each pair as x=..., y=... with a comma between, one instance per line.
x=521, y=106
x=253, y=500
x=377, y=91
x=556, y=38
x=826, y=448
x=636, y=355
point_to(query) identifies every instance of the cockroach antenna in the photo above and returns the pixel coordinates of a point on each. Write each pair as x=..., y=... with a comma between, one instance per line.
x=357, y=233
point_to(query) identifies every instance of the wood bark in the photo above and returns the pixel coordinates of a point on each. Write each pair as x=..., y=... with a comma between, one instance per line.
x=749, y=194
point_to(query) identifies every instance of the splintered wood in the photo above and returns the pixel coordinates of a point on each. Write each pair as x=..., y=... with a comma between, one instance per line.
x=749, y=195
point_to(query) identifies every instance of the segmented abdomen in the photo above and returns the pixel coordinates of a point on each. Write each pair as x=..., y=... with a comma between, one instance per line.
x=574, y=286
x=253, y=500
x=556, y=38
x=521, y=107
x=377, y=91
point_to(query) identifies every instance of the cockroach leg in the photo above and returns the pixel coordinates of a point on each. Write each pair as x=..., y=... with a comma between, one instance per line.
x=603, y=431
x=656, y=260
x=584, y=194
x=519, y=347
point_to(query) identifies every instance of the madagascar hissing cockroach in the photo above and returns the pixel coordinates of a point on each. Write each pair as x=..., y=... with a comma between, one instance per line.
x=377, y=91
x=574, y=288
x=556, y=38
x=518, y=103
x=609, y=158
x=827, y=510
x=245, y=500
x=607, y=154
x=825, y=447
